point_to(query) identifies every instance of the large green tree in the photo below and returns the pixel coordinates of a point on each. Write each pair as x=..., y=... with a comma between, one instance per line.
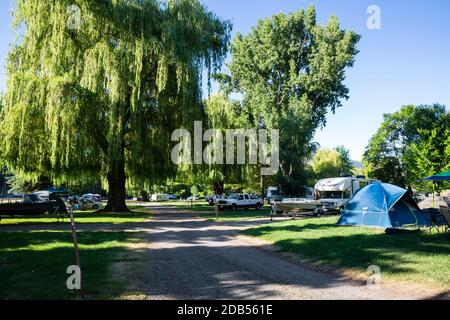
x=290, y=71
x=95, y=88
x=331, y=163
x=409, y=145
x=347, y=168
x=223, y=114
x=428, y=156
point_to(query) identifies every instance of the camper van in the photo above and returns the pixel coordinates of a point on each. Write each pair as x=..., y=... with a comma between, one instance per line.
x=331, y=195
x=335, y=193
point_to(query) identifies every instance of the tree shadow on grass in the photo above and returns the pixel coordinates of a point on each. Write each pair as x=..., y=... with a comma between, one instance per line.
x=80, y=218
x=34, y=264
x=398, y=255
x=261, y=231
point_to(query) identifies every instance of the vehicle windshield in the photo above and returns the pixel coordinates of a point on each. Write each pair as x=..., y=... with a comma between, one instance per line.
x=331, y=195
x=273, y=193
x=233, y=196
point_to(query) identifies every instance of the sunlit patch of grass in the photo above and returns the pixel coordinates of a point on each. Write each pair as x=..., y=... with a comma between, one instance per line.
x=415, y=257
x=82, y=217
x=34, y=264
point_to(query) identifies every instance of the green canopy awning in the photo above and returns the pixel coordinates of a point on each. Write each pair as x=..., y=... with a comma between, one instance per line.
x=439, y=177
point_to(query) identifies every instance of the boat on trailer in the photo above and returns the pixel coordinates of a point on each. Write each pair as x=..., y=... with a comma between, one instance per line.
x=331, y=195
x=34, y=205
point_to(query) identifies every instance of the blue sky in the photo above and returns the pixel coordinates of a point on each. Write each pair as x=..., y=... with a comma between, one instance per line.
x=406, y=62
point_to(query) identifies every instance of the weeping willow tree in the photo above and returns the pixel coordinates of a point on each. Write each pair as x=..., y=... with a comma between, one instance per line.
x=223, y=114
x=95, y=88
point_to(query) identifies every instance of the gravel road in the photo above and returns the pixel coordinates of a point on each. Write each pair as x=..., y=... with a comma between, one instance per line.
x=189, y=258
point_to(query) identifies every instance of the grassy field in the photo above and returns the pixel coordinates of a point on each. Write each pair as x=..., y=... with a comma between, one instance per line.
x=34, y=263
x=139, y=215
x=415, y=258
x=208, y=212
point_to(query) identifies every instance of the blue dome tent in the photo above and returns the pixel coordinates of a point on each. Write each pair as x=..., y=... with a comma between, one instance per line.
x=382, y=205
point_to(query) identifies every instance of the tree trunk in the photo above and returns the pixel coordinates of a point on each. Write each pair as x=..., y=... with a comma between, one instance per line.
x=262, y=187
x=117, y=192
x=218, y=188
x=145, y=196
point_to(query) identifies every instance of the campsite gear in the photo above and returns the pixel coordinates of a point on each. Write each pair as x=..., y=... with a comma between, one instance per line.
x=436, y=218
x=383, y=205
x=33, y=206
x=447, y=201
x=444, y=176
x=446, y=214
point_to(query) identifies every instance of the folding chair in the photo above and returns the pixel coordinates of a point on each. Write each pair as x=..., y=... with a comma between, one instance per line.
x=446, y=214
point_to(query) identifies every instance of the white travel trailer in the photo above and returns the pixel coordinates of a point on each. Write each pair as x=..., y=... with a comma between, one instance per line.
x=331, y=195
x=160, y=197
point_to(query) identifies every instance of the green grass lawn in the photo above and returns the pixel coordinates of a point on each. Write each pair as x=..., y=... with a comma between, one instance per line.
x=34, y=264
x=415, y=258
x=81, y=217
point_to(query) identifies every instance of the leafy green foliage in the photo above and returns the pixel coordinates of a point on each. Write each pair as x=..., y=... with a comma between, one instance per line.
x=347, y=167
x=329, y=163
x=17, y=185
x=428, y=157
x=97, y=102
x=410, y=145
x=194, y=191
x=290, y=71
x=223, y=114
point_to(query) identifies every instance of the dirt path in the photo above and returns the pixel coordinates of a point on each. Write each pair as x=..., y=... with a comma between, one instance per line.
x=189, y=258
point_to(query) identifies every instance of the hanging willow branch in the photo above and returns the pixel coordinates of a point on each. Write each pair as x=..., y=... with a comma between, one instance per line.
x=82, y=102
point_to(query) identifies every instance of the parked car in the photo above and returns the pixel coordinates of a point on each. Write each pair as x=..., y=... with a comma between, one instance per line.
x=192, y=198
x=241, y=200
x=86, y=204
x=212, y=199
x=91, y=197
x=173, y=197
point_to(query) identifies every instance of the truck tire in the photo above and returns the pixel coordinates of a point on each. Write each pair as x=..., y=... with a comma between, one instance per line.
x=234, y=207
x=258, y=206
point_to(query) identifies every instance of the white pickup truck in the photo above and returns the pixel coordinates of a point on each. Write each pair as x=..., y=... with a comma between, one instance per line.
x=241, y=200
